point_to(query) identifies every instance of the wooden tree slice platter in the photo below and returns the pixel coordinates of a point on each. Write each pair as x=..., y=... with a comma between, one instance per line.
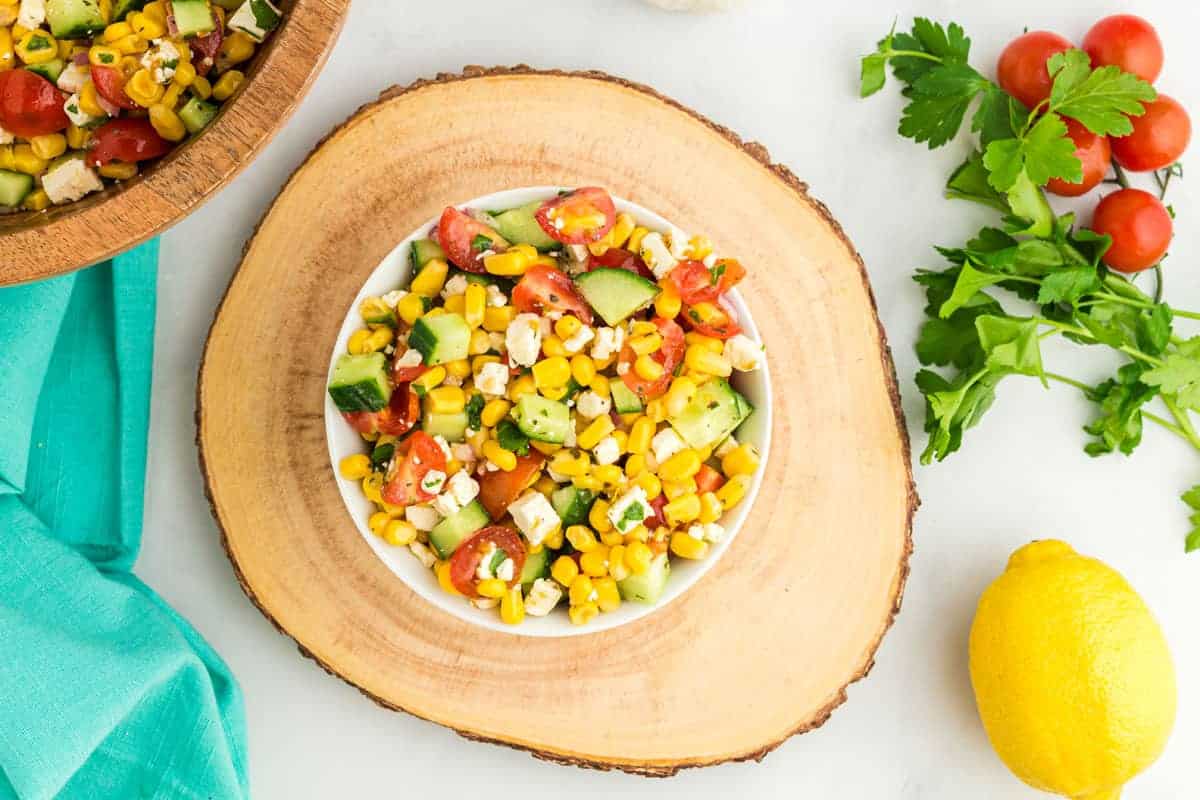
x=765, y=644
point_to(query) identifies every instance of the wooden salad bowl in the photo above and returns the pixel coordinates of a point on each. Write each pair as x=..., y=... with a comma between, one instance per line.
x=765, y=644
x=38, y=245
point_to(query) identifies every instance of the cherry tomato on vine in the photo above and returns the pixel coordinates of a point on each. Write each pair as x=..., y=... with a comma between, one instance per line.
x=1140, y=228
x=1021, y=70
x=1128, y=42
x=1159, y=137
x=1095, y=154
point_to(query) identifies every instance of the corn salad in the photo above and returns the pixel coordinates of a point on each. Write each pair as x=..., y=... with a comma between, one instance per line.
x=90, y=91
x=546, y=409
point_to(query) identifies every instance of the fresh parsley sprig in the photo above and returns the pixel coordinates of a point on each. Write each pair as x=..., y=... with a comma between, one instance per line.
x=1032, y=258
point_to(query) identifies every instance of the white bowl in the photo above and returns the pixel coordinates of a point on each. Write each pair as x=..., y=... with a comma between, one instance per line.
x=394, y=272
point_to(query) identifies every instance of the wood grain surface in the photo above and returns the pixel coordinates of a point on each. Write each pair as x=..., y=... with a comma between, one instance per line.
x=764, y=646
x=65, y=238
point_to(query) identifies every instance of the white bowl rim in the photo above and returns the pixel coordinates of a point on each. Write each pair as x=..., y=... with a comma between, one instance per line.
x=393, y=272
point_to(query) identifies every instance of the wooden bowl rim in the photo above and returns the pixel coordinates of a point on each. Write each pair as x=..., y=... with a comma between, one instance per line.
x=759, y=153
x=144, y=198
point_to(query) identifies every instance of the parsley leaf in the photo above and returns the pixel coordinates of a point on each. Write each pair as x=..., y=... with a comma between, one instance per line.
x=1179, y=375
x=1068, y=285
x=938, y=102
x=1192, y=498
x=949, y=44
x=481, y=243
x=1101, y=99
x=1119, y=426
x=970, y=281
x=970, y=182
x=510, y=437
x=1045, y=152
x=474, y=412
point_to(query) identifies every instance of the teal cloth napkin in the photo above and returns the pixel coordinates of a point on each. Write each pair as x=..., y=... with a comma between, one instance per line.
x=105, y=692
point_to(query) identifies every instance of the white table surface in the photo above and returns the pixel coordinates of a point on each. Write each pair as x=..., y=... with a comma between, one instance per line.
x=785, y=76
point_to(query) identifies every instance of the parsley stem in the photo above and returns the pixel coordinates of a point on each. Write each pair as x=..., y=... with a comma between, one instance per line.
x=890, y=53
x=1083, y=333
x=1129, y=301
x=1185, y=422
x=1155, y=418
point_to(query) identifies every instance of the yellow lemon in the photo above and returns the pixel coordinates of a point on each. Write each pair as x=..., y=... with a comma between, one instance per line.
x=1072, y=674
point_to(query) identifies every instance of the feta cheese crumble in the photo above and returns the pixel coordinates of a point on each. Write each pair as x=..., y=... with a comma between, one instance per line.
x=543, y=597
x=422, y=517
x=423, y=554
x=462, y=486
x=32, y=13
x=608, y=342
x=579, y=340
x=657, y=255
x=534, y=515
x=70, y=180
x=665, y=444
x=591, y=405
x=433, y=481
x=455, y=286
x=630, y=510
x=492, y=379
x=523, y=339
x=606, y=451
x=743, y=354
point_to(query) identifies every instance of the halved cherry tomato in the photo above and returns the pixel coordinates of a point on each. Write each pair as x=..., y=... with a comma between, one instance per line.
x=128, y=140
x=404, y=484
x=499, y=489
x=465, y=238
x=657, y=518
x=30, y=105
x=1128, y=42
x=1022, y=68
x=698, y=283
x=543, y=288
x=110, y=84
x=407, y=374
x=708, y=479
x=1140, y=228
x=1094, y=153
x=205, y=50
x=580, y=217
x=397, y=419
x=617, y=258
x=669, y=355
x=465, y=562
x=713, y=318
x=1159, y=137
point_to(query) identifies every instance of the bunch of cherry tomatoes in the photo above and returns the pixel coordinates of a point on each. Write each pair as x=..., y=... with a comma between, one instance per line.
x=1139, y=224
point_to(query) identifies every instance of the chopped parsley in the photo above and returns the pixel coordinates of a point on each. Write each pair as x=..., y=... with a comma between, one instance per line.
x=715, y=273
x=481, y=243
x=474, y=410
x=39, y=43
x=635, y=513
x=510, y=437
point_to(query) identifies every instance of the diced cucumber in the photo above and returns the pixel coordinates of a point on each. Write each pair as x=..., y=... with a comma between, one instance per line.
x=423, y=251
x=360, y=383
x=197, y=114
x=440, y=339
x=542, y=420
x=616, y=294
x=448, y=534
x=374, y=311
x=648, y=587
x=520, y=226
x=14, y=187
x=625, y=400
x=572, y=504
x=75, y=19
x=50, y=70
x=193, y=17
x=715, y=411
x=121, y=8
x=451, y=426
x=537, y=565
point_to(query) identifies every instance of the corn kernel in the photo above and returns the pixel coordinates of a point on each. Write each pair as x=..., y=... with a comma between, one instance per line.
x=236, y=48
x=480, y=342
x=710, y=508
x=554, y=539
x=640, y=434
x=610, y=474
x=656, y=410
x=583, y=614
x=355, y=467
x=48, y=146
x=378, y=521
x=141, y=88
x=460, y=369
x=171, y=96
x=553, y=347
x=372, y=486
x=683, y=509
x=494, y=411
x=688, y=547
x=668, y=304
x=594, y=562
x=184, y=75
x=491, y=587
x=25, y=160
x=546, y=448
x=638, y=557
x=474, y=304
x=608, y=598
x=478, y=362
x=520, y=387
x=37, y=47
x=37, y=200
x=733, y=491
x=673, y=490
x=504, y=459
x=580, y=591
x=554, y=371
x=588, y=482
x=699, y=248
x=567, y=327
x=228, y=83
x=77, y=137
x=650, y=484
x=702, y=359
x=410, y=308
x=128, y=45
x=564, y=570
x=201, y=87
x=119, y=170
x=512, y=607
x=622, y=440
x=399, y=533
x=511, y=263
x=645, y=345
x=432, y=277
x=681, y=466
x=431, y=378
x=599, y=428
x=635, y=465
x=742, y=460
x=146, y=26
x=599, y=384
x=497, y=318
x=598, y=516
x=581, y=538
x=443, y=575
x=446, y=400
x=634, y=243
x=555, y=392
x=612, y=538
x=709, y=342
x=583, y=369
x=7, y=57
x=101, y=56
